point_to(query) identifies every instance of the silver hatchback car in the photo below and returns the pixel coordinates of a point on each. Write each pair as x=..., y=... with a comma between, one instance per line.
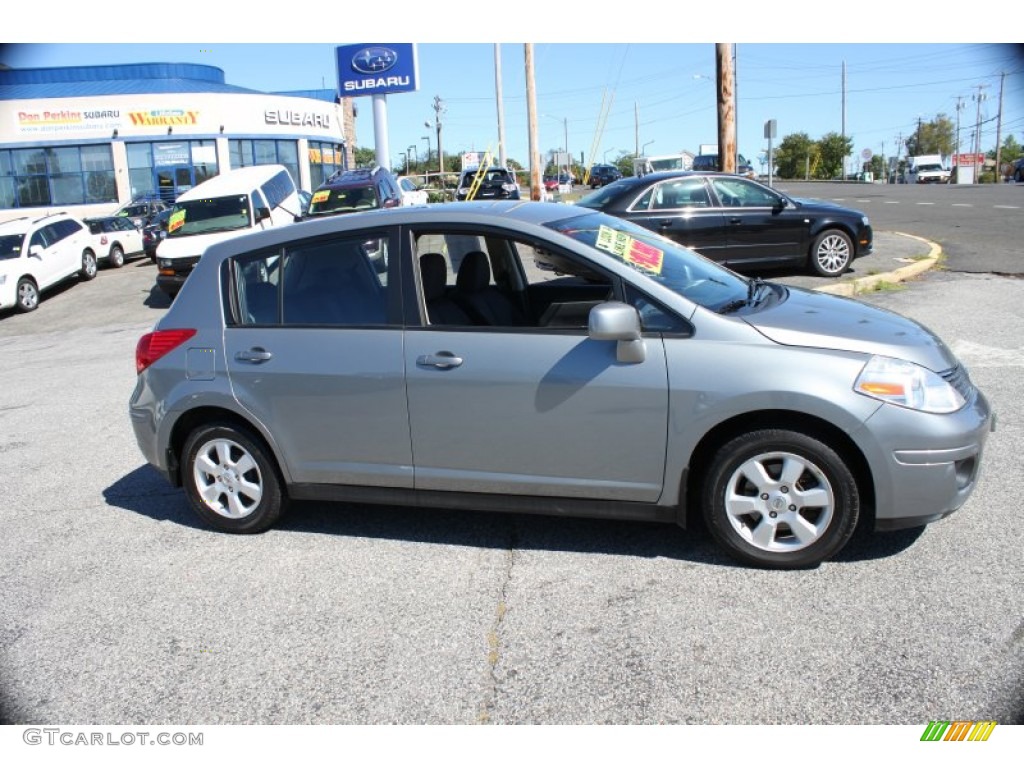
x=534, y=357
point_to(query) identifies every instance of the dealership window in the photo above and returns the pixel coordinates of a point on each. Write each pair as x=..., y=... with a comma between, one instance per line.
x=247, y=152
x=72, y=175
x=324, y=160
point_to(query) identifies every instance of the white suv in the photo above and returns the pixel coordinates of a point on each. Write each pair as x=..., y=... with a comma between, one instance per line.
x=37, y=253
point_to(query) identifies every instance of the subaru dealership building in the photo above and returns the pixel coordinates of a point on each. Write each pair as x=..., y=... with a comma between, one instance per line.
x=85, y=139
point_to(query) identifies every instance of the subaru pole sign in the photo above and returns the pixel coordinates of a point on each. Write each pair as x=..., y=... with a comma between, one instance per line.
x=371, y=69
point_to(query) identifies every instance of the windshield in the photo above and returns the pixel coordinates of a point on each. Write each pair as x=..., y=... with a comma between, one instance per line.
x=667, y=263
x=209, y=214
x=10, y=246
x=345, y=200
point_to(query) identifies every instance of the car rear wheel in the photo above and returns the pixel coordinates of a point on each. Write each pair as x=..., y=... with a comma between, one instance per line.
x=116, y=258
x=28, y=295
x=831, y=253
x=780, y=499
x=88, y=270
x=230, y=480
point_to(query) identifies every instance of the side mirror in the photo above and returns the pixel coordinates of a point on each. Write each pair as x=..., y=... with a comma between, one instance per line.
x=615, y=321
x=262, y=213
x=35, y=251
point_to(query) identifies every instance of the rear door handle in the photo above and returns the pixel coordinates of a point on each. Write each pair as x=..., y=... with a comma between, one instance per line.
x=254, y=355
x=442, y=360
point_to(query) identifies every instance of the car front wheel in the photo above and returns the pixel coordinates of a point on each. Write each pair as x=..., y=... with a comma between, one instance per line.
x=28, y=295
x=230, y=480
x=88, y=270
x=831, y=253
x=780, y=499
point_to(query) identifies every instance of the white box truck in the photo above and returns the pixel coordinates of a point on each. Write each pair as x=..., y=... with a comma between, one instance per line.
x=927, y=169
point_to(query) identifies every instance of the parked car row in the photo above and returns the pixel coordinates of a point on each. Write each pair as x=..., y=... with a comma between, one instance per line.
x=38, y=253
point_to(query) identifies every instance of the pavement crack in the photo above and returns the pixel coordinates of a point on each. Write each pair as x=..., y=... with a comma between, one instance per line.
x=494, y=635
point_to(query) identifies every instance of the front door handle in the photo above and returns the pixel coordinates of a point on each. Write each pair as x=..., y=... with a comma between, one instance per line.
x=254, y=355
x=442, y=360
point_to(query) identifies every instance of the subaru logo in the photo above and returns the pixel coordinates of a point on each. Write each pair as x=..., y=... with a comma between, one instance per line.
x=370, y=61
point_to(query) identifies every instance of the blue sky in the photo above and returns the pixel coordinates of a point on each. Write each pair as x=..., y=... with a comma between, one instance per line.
x=661, y=95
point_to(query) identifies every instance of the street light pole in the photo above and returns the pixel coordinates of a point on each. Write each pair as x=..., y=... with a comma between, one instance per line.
x=427, y=139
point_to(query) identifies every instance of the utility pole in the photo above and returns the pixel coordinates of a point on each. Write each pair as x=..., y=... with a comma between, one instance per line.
x=439, y=110
x=978, y=97
x=999, y=127
x=531, y=119
x=956, y=151
x=726, y=108
x=501, y=108
x=636, y=129
x=843, y=126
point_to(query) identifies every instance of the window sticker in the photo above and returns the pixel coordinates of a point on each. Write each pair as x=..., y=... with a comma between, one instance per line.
x=177, y=220
x=630, y=250
x=321, y=195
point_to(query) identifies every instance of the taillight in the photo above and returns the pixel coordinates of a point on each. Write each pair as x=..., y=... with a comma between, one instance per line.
x=155, y=345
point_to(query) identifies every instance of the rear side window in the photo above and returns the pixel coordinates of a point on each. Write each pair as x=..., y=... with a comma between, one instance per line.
x=277, y=190
x=338, y=282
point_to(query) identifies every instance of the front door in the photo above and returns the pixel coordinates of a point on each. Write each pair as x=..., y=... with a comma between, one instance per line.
x=174, y=180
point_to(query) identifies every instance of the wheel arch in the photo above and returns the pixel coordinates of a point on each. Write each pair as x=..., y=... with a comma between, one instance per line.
x=209, y=414
x=796, y=421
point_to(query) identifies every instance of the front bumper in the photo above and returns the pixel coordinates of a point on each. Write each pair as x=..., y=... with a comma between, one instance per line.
x=925, y=466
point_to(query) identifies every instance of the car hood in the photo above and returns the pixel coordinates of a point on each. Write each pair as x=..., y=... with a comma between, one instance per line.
x=809, y=319
x=821, y=206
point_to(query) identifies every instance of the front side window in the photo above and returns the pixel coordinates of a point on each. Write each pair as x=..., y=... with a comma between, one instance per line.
x=740, y=193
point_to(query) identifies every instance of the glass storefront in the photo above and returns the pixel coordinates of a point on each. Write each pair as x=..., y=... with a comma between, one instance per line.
x=165, y=169
x=248, y=152
x=72, y=175
x=324, y=159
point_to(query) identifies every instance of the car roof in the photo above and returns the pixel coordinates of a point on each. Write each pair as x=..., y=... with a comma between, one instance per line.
x=499, y=213
x=24, y=223
x=231, y=181
x=353, y=177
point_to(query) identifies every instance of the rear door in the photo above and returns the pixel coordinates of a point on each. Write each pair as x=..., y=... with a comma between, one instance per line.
x=314, y=352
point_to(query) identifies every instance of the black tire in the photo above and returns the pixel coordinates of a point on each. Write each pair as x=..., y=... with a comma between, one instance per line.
x=230, y=479
x=831, y=253
x=780, y=499
x=88, y=270
x=27, y=296
x=116, y=257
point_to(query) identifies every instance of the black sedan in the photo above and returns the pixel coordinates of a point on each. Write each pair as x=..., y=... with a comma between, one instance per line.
x=739, y=222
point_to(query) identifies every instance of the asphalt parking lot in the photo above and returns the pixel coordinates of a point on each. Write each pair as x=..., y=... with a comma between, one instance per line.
x=121, y=608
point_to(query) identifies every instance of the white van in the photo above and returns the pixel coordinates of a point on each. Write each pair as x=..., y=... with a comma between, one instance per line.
x=234, y=203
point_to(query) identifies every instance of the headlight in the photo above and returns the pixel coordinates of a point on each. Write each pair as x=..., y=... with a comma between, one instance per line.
x=901, y=382
x=864, y=221
x=164, y=263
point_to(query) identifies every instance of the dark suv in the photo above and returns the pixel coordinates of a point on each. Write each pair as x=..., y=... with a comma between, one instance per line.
x=710, y=163
x=603, y=174
x=493, y=183
x=360, y=189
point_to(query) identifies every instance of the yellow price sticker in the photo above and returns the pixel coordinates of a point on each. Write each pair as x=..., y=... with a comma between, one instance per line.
x=321, y=195
x=631, y=250
x=177, y=220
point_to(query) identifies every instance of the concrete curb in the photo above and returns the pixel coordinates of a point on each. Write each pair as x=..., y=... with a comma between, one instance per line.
x=871, y=282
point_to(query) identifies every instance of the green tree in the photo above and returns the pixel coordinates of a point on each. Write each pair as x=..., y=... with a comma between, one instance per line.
x=365, y=157
x=1011, y=150
x=794, y=155
x=833, y=150
x=935, y=137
